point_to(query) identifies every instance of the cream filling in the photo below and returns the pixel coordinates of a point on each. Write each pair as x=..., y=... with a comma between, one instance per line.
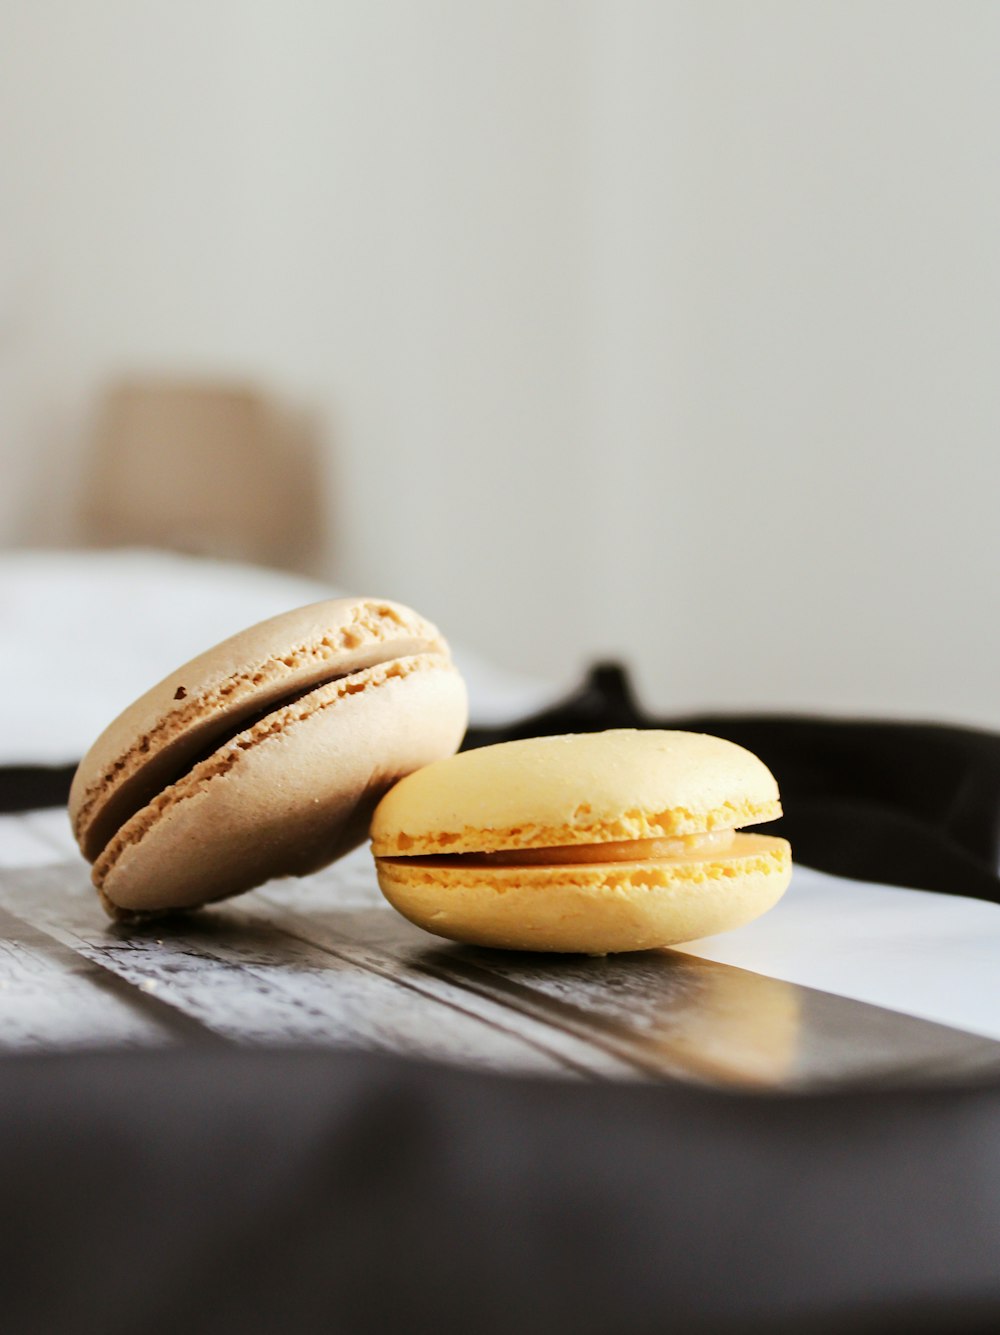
x=225, y=749
x=679, y=849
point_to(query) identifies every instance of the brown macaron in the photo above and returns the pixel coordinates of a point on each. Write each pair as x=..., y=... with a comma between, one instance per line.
x=264, y=756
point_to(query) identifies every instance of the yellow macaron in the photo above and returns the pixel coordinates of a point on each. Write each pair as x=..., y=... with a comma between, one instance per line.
x=264, y=756
x=595, y=842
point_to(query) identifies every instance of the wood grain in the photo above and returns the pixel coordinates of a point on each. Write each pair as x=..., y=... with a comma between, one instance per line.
x=324, y=961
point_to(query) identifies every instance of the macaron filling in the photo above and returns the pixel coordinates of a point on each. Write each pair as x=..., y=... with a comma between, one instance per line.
x=200, y=706
x=679, y=849
x=119, y=812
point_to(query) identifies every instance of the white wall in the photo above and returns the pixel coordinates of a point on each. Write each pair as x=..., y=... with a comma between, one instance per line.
x=664, y=329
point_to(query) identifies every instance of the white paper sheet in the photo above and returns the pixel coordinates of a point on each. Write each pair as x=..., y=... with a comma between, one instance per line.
x=936, y=956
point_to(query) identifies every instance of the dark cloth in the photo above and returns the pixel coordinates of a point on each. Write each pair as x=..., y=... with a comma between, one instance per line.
x=243, y=1192
x=29, y=787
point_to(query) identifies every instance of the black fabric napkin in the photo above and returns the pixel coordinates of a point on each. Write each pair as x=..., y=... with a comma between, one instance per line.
x=255, y=1192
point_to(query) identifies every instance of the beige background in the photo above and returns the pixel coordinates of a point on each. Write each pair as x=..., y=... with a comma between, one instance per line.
x=662, y=329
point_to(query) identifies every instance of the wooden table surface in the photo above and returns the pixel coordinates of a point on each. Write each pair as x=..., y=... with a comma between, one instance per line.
x=324, y=961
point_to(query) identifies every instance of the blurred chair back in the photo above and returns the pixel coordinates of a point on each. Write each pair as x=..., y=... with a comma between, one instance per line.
x=208, y=468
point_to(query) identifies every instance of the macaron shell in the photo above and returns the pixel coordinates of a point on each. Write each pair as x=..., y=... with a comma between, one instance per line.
x=289, y=794
x=158, y=736
x=591, y=908
x=578, y=788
